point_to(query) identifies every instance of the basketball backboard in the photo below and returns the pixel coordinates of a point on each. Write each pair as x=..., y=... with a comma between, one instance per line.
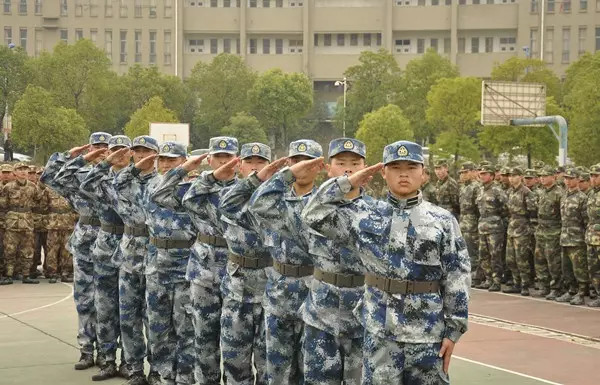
x=502, y=102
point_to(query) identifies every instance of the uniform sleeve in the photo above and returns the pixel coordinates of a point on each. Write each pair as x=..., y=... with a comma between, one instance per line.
x=583, y=211
x=531, y=206
x=96, y=182
x=67, y=175
x=455, y=283
x=53, y=166
x=167, y=192
x=235, y=202
x=268, y=204
x=203, y=199
x=456, y=197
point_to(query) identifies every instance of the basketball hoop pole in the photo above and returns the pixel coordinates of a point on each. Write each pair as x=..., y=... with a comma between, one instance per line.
x=550, y=120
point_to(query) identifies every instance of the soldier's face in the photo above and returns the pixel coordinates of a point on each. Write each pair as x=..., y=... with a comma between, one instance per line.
x=140, y=153
x=32, y=176
x=441, y=172
x=486, y=177
x=594, y=178
x=165, y=163
x=345, y=163
x=464, y=176
x=547, y=180
x=530, y=182
x=403, y=178
x=584, y=184
x=5, y=175
x=217, y=160
x=572, y=183
x=515, y=180
x=251, y=164
x=21, y=173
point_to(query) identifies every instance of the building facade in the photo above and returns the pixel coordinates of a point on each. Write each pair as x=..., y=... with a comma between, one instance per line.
x=318, y=37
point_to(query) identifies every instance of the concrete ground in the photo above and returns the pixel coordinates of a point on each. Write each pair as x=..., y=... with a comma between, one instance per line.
x=511, y=340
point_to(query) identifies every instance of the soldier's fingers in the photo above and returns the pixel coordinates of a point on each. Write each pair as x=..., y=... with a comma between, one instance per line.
x=232, y=163
x=447, y=357
x=442, y=350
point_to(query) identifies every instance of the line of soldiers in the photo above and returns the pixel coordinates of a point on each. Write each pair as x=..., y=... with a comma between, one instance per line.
x=523, y=226
x=250, y=266
x=33, y=218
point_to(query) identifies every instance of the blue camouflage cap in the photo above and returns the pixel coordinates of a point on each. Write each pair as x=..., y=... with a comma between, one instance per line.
x=223, y=145
x=305, y=147
x=100, y=138
x=340, y=145
x=255, y=149
x=145, y=141
x=403, y=150
x=172, y=150
x=119, y=141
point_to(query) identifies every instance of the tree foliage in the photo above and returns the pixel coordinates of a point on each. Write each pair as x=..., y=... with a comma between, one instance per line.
x=153, y=111
x=14, y=76
x=518, y=69
x=246, y=128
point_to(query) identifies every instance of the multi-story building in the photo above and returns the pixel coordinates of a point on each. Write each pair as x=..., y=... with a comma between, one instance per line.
x=318, y=37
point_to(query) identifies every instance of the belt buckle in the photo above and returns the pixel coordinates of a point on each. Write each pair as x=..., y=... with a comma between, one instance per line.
x=251, y=263
x=291, y=270
x=386, y=284
x=343, y=280
x=410, y=287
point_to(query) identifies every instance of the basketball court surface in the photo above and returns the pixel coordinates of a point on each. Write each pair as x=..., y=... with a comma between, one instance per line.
x=511, y=340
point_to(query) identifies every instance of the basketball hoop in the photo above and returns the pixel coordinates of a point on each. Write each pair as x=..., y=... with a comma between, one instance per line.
x=502, y=102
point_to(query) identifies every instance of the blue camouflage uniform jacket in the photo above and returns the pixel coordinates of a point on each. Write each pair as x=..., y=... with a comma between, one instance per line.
x=277, y=209
x=406, y=240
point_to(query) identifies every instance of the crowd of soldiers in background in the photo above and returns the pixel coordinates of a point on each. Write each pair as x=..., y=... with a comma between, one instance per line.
x=527, y=226
x=34, y=221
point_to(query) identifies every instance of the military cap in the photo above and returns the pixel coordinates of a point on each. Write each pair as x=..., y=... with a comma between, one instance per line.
x=6, y=168
x=305, y=147
x=40, y=170
x=100, y=138
x=403, y=150
x=340, y=145
x=255, y=149
x=515, y=171
x=145, y=141
x=467, y=166
x=584, y=175
x=172, y=150
x=20, y=165
x=595, y=169
x=487, y=167
x=538, y=164
x=441, y=163
x=530, y=173
x=505, y=170
x=32, y=169
x=571, y=173
x=560, y=169
x=547, y=171
x=223, y=145
x=119, y=141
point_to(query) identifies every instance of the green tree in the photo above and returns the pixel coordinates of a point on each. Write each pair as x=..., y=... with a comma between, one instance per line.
x=279, y=100
x=222, y=88
x=382, y=127
x=246, y=128
x=454, y=107
x=153, y=111
x=44, y=127
x=371, y=84
x=518, y=69
x=419, y=76
x=14, y=76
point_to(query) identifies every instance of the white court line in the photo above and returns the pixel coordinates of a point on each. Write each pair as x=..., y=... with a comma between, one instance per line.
x=517, y=296
x=507, y=371
x=41, y=307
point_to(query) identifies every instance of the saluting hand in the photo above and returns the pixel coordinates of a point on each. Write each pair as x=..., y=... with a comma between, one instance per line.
x=76, y=151
x=270, y=169
x=307, y=168
x=119, y=158
x=364, y=176
x=146, y=164
x=96, y=154
x=228, y=170
x=194, y=162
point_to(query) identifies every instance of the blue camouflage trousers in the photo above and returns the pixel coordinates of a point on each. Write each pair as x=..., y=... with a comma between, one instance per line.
x=207, y=302
x=83, y=294
x=284, y=338
x=331, y=360
x=106, y=301
x=243, y=337
x=132, y=317
x=390, y=362
x=170, y=333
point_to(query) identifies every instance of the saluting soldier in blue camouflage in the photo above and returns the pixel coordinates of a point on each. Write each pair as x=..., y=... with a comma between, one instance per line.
x=168, y=302
x=243, y=286
x=277, y=205
x=97, y=185
x=81, y=241
x=415, y=303
x=208, y=259
x=333, y=336
x=133, y=249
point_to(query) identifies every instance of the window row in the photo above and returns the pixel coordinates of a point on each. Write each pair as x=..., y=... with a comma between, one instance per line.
x=352, y=39
x=565, y=53
x=22, y=6
x=265, y=46
x=21, y=38
x=423, y=3
x=562, y=6
x=141, y=8
x=249, y=3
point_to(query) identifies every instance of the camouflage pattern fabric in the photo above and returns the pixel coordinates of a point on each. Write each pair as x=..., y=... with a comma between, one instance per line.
x=491, y=203
x=447, y=195
x=469, y=219
x=58, y=259
x=592, y=236
x=428, y=190
x=574, y=218
x=547, y=236
x=83, y=279
x=132, y=319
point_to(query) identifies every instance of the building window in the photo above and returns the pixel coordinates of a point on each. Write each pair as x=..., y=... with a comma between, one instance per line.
x=508, y=43
x=108, y=10
x=533, y=46
x=38, y=42
x=167, y=48
x=327, y=40
x=152, y=58
x=169, y=8
x=421, y=3
x=367, y=39
x=94, y=35
x=279, y=3
x=566, y=6
x=152, y=9
x=23, y=38
x=341, y=40
x=123, y=9
x=214, y=46
x=566, y=42
x=295, y=3
x=123, y=51
x=252, y=46
x=7, y=6
x=462, y=2
x=137, y=8
x=354, y=39
x=581, y=40
x=227, y=45
x=597, y=39
x=137, y=39
x=435, y=2
x=379, y=39
x=226, y=3
x=78, y=8
x=461, y=45
x=266, y=3
x=447, y=43
x=64, y=35
x=550, y=6
x=433, y=43
x=108, y=43
x=533, y=6
x=214, y=3
x=296, y=46
x=278, y=46
x=489, y=44
x=237, y=46
x=64, y=9
x=583, y=5
x=7, y=35
x=549, y=46
x=78, y=34
x=94, y=8
x=23, y=7
x=403, y=45
x=474, y=45
x=195, y=45
x=252, y=3
x=266, y=46
x=420, y=45
x=316, y=40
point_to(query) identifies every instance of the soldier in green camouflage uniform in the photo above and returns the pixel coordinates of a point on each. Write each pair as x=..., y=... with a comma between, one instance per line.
x=446, y=189
x=491, y=203
x=573, y=211
x=560, y=177
x=6, y=175
x=532, y=181
x=469, y=218
x=522, y=212
x=547, y=235
x=584, y=182
x=427, y=189
x=592, y=235
x=59, y=226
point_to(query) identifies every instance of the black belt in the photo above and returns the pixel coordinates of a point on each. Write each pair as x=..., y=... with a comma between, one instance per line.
x=212, y=240
x=249, y=262
x=167, y=243
x=396, y=286
x=141, y=231
x=19, y=210
x=89, y=220
x=112, y=228
x=292, y=270
x=339, y=280
x=59, y=211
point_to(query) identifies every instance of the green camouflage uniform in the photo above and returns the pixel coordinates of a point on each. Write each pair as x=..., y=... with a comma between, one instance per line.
x=469, y=219
x=429, y=192
x=447, y=193
x=592, y=235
